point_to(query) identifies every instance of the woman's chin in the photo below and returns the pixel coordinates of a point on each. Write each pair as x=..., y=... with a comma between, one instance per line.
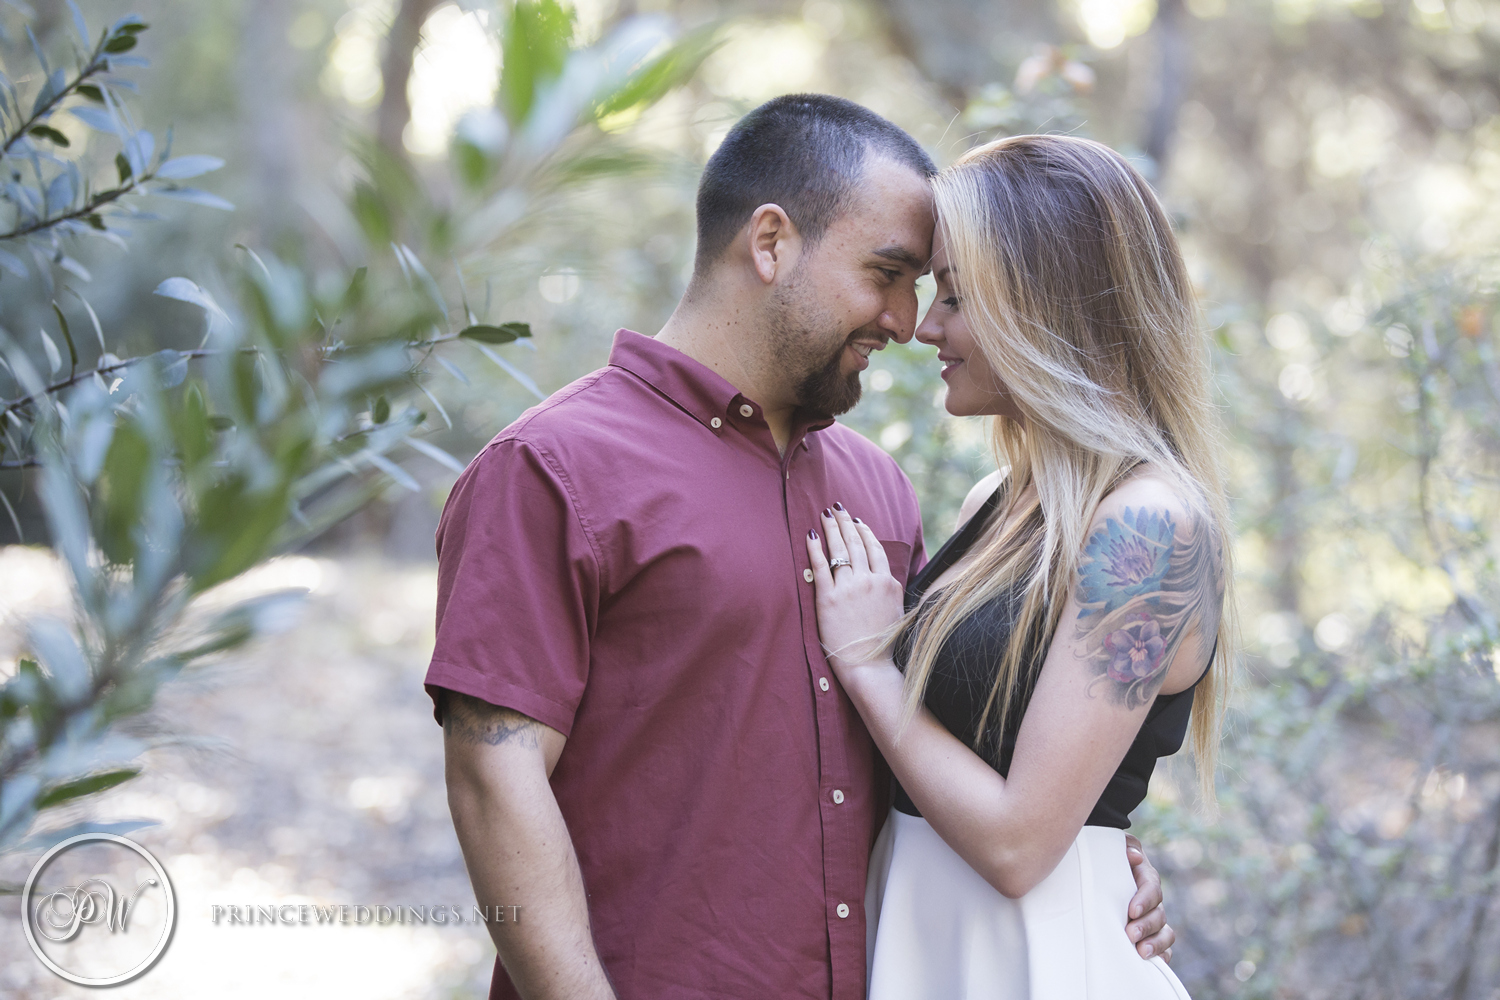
x=959, y=407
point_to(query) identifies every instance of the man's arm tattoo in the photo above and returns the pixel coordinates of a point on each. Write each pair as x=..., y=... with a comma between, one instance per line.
x=1146, y=581
x=474, y=721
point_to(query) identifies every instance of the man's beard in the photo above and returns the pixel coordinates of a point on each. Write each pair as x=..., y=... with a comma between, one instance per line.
x=826, y=392
x=823, y=390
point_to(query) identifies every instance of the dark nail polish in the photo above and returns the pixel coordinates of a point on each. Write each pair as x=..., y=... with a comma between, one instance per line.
x=838, y=506
x=827, y=511
x=858, y=521
x=813, y=535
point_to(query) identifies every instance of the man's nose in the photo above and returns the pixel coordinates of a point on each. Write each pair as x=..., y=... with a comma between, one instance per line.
x=899, y=321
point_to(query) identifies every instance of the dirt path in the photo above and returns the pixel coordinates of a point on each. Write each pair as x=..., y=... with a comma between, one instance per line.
x=307, y=770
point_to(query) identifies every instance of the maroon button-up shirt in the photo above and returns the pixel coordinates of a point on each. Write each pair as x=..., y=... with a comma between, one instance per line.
x=626, y=563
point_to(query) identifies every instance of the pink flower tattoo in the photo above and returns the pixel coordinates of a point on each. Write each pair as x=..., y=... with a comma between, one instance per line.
x=1135, y=651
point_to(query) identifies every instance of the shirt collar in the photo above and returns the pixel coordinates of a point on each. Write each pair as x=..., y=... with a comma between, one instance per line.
x=693, y=386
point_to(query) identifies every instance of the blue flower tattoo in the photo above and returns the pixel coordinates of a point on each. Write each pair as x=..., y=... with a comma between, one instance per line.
x=1125, y=559
x=1146, y=581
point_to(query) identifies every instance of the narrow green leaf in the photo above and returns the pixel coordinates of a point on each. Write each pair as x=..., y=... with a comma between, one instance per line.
x=54, y=359
x=123, y=42
x=382, y=411
x=15, y=521
x=123, y=166
x=194, y=436
x=511, y=370
x=502, y=334
x=121, y=493
x=85, y=786
x=92, y=92
x=652, y=81
x=535, y=50
x=93, y=316
x=355, y=293
x=50, y=134
x=67, y=333
x=435, y=453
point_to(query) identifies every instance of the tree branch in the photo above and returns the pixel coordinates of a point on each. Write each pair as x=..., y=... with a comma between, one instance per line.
x=74, y=379
x=97, y=64
x=93, y=206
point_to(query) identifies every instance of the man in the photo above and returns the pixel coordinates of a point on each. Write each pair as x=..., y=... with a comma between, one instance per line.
x=646, y=750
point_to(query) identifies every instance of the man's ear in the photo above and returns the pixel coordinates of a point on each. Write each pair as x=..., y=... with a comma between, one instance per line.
x=774, y=242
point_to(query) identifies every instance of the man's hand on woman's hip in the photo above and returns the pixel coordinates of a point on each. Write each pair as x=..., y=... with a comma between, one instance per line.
x=1148, y=926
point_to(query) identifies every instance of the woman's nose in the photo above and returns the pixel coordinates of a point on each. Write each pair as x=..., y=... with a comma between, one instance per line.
x=928, y=332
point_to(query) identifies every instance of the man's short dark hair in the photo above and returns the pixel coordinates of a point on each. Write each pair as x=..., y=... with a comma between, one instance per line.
x=804, y=152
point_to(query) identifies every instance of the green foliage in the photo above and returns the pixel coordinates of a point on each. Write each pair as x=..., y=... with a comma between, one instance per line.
x=60, y=793
x=1359, y=792
x=165, y=474
x=502, y=334
x=57, y=199
x=535, y=52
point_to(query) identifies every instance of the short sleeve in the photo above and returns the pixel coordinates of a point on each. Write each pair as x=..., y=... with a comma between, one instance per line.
x=918, y=550
x=518, y=588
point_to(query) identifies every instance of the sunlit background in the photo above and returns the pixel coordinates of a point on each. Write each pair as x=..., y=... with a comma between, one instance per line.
x=1332, y=167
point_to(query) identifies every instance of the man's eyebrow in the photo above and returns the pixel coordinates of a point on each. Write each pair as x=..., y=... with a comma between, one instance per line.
x=901, y=255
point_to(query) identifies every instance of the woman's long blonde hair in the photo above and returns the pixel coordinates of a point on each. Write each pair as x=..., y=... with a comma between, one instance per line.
x=1075, y=292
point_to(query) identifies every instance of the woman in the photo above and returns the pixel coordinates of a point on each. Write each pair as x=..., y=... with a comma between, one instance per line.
x=1057, y=644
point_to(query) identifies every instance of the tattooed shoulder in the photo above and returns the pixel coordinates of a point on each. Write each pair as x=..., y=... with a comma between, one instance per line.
x=473, y=720
x=1150, y=576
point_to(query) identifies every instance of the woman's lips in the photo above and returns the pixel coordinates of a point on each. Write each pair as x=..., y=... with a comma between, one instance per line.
x=948, y=368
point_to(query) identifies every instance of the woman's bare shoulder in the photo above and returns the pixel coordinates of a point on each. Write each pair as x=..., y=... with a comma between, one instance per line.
x=979, y=494
x=1147, y=487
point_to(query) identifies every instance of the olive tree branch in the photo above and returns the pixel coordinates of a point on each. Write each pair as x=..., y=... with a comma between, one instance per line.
x=99, y=200
x=98, y=63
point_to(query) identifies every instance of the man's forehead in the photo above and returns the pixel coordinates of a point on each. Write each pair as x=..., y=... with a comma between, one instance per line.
x=893, y=213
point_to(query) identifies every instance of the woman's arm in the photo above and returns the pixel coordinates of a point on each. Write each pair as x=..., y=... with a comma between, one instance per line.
x=1124, y=633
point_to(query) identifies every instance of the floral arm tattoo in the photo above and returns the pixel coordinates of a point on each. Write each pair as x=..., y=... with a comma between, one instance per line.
x=1146, y=581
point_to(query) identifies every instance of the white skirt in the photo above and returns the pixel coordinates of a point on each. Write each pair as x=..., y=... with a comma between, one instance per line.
x=938, y=930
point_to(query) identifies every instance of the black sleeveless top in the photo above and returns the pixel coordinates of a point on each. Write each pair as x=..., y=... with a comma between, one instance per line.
x=965, y=667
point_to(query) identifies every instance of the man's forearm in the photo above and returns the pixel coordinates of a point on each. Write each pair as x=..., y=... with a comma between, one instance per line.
x=518, y=853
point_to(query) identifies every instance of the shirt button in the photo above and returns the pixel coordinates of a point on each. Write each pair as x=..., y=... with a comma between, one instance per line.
x=746, y=410
x=842, y=910
x=838, y=797
x=807, y=575
x=716, y=423
x=823, y=683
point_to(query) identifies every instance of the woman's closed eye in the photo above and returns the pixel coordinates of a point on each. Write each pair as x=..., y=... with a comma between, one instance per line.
x=951, y=302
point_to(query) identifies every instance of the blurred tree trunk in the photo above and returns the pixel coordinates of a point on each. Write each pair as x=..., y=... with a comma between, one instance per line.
x=269, y=136
x=961, y=45
x=1171, y=46
x=395, y=72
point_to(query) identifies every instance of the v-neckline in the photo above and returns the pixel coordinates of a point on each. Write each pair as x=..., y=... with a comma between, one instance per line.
x=954, y=549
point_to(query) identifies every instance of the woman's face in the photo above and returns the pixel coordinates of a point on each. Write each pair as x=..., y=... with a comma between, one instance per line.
x=973, y=386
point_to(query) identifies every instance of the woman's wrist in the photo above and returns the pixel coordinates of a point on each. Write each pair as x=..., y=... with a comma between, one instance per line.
x=870, y=679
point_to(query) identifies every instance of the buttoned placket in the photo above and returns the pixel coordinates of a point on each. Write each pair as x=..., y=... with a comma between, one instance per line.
x=841, y=864
x=840, y=861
